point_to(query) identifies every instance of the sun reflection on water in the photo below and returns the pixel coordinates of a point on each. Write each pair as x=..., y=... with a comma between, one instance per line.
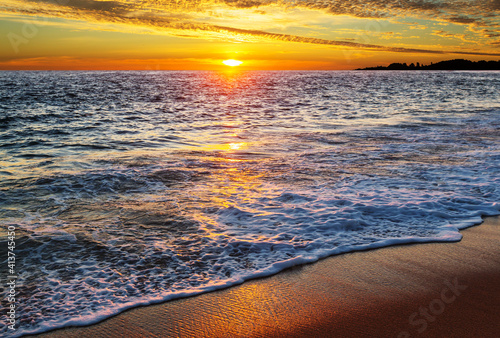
x=237, y=146
x=235, y=183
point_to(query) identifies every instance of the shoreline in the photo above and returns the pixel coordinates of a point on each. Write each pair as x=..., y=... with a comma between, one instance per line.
x=450, y=289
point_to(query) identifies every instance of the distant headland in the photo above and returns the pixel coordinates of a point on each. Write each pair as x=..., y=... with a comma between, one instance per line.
x=457, y=64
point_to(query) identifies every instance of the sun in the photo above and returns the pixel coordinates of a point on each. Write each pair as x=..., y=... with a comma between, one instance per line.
x=232, y=63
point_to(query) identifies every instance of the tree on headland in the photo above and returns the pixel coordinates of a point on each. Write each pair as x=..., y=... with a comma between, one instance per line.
x=457, y=64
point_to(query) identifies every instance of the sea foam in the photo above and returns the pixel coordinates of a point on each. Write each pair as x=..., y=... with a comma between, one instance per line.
x=202, y=180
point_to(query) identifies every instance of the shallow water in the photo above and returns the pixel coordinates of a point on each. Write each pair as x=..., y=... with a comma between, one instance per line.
x=129, y=188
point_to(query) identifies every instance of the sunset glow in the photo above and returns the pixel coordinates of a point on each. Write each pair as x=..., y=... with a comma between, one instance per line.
x=197, y=35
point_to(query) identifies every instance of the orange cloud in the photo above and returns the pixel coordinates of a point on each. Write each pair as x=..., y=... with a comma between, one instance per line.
x=194, y=18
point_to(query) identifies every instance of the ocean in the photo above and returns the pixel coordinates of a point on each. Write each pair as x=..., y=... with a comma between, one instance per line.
x=131, y=188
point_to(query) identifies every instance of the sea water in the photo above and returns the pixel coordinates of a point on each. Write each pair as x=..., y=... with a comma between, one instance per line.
x=129, y=188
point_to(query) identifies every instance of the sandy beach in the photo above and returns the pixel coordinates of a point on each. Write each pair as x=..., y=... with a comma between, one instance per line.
x=422, y=290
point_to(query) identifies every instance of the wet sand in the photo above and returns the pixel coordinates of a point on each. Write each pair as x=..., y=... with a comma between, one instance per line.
x=421, y=290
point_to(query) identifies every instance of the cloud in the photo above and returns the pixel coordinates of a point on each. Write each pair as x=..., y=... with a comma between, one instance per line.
x=348, y=44
x=444, y=34
x=197, y=18
x=462, y=19
x=90, y=5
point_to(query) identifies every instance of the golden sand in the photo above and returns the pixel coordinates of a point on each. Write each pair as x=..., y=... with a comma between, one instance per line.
x=421, y=290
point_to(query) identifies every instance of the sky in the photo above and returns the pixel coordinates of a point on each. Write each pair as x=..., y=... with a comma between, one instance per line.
x=264, y=34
